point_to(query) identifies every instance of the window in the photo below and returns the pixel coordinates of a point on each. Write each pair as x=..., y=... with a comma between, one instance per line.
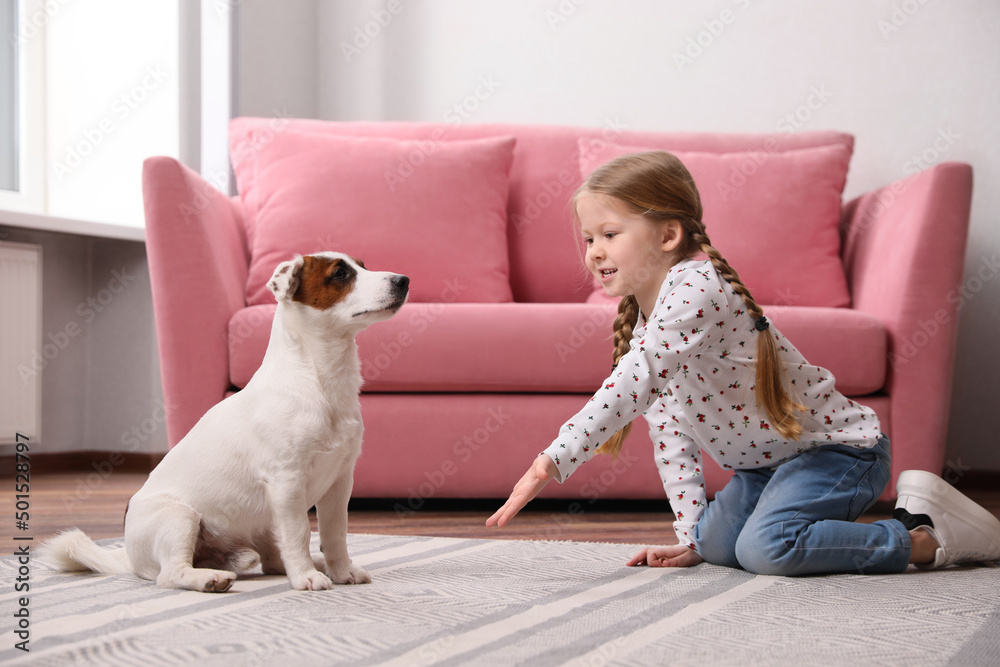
x=91, y=90
x=8, y=99
x=21, y=90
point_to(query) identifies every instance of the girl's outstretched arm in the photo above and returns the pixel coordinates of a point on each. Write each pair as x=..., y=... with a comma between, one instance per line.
x=541, y=471
x=676, y=555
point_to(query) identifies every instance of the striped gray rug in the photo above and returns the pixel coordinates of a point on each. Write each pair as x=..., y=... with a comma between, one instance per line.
x=441, y=601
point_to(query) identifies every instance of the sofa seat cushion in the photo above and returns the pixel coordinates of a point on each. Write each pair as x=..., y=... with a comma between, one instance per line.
x=545, y=348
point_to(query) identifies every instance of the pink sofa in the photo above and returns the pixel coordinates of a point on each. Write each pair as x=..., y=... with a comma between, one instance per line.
x=505, y=336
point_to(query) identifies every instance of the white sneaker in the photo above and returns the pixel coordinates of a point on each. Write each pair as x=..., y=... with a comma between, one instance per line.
x=965, y=531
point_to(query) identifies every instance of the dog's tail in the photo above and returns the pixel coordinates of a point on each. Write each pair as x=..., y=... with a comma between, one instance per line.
x=73, y=551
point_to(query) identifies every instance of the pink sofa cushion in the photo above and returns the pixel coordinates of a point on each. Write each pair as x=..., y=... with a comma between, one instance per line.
x=435, y=211
x=773, y=215
x=546, y=348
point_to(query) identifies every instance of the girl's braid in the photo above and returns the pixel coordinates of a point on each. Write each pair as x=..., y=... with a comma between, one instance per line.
x=781, y=409
x=628, y=315
x=700, y=240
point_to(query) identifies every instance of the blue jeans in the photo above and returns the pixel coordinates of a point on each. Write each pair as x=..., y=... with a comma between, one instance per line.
x=798, y=519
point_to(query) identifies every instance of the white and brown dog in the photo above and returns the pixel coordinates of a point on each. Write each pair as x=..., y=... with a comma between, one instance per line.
x=243, y=480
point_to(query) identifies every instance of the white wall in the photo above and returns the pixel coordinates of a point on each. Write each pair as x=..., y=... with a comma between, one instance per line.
x=898, y=74
x=98, y=360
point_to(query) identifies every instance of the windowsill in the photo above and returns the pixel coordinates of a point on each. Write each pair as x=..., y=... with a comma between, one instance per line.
x=50, y=223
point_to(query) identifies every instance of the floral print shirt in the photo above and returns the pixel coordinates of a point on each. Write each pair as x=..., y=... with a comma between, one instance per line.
x=691, y=372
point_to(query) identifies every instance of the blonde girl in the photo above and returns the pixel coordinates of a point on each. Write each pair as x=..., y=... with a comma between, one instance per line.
x=695, y=355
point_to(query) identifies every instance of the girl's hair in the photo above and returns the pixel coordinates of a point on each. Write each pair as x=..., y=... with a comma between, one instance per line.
x=659, y=187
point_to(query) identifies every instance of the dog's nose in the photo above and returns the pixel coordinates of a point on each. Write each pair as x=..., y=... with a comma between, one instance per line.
x=402, y=282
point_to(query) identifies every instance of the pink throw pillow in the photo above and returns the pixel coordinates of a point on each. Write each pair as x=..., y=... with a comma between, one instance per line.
x=433, y=210
x=774, y=216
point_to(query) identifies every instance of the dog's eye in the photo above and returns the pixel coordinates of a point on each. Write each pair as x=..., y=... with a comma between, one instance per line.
x=339, y=274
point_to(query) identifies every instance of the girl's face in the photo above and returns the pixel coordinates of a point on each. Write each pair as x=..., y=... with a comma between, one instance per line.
x=626, y=252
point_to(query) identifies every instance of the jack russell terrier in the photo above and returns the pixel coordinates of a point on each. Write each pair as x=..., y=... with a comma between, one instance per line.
x=243, y=479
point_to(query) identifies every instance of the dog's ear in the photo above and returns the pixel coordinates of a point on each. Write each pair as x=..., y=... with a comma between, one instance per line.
x=285, y=280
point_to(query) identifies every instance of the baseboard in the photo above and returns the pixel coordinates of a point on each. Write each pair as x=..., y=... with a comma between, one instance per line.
x=91, y=461
x=88, y=461
x=973, y=479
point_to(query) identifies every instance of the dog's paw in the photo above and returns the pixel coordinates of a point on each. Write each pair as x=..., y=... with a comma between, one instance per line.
x=313, y=581
x=218, y=581
x=352, y=574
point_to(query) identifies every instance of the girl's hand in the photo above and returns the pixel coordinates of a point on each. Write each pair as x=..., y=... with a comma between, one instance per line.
x=541, y=471
x=676, y=555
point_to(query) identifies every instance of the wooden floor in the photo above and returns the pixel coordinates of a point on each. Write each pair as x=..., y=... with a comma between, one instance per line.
x=84, y=499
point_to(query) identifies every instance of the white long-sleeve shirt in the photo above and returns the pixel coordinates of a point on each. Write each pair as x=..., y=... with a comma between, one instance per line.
x=691, y=372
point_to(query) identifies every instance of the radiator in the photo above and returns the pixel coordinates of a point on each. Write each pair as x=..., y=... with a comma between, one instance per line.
x=21, y=359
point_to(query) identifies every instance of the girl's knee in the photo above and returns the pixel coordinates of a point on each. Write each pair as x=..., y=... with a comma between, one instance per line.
x=760, y=553
x=718, y=552
x=716, y=543
x=751, y=552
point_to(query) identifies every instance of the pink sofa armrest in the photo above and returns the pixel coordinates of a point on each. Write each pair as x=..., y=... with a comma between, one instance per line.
x=904, y=252
x=198, y=262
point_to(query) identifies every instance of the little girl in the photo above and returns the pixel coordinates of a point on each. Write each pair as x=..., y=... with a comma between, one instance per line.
x=696, y=357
